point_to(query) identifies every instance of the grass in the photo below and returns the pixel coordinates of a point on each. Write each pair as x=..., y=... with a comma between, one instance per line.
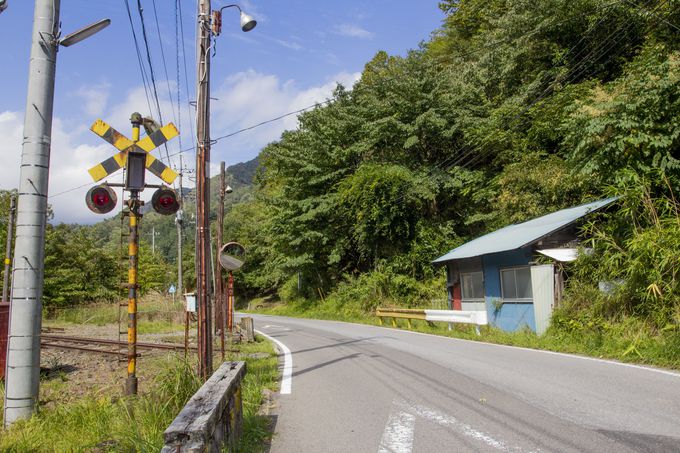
x=156, y=314
x=629, y=339
x=112, y=423
x=262, y=373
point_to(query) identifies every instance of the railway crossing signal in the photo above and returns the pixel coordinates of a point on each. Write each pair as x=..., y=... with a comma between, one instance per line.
x=164, y=201
x=135, y=156
x=125, y=146
x=101, y=199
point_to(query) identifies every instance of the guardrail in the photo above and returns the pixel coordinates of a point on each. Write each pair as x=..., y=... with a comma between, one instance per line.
x=213, y=417
x=479, y=318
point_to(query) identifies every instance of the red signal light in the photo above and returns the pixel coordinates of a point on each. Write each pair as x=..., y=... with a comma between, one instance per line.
x=164, y=201
x=101, y=199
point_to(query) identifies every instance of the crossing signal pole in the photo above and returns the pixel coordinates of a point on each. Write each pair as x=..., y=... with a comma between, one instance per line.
x=134, y=156
x=179, y=221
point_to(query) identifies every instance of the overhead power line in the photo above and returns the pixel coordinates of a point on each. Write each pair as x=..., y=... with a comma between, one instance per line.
x=151, y=72
x=231, y=134
x=139, y=54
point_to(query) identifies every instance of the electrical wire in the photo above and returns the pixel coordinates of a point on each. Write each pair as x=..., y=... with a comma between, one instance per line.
x=177, y=75
x=139, y=54
x=231, y=134
x=178, y=6
x=151, y=71
x=439, y=166
x=165, y=66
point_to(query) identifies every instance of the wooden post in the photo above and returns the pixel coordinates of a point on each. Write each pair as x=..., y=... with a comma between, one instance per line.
x=219, y=282
x=248, y=329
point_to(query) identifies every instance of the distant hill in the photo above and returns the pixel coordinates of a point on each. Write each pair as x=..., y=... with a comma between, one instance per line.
x=244, y=172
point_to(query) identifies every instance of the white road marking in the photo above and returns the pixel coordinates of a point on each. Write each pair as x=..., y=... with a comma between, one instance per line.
x=398, y=435
x=400, y=429
x=287, y=377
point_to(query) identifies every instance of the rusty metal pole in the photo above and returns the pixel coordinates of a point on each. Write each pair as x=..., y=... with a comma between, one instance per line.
x=133, y=253
x=219, y=281
x=230, y=304
x=8, y=249
x=203, y=191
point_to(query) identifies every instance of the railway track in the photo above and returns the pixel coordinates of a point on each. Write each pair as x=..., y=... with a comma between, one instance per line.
x=103, y=346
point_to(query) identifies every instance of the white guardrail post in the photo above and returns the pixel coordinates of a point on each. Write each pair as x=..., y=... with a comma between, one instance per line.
x=478, y=318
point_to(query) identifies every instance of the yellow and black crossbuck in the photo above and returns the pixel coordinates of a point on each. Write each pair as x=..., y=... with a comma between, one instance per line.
x=124, y=144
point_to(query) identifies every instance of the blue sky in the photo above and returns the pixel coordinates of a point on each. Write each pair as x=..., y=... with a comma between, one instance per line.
x=291, y=60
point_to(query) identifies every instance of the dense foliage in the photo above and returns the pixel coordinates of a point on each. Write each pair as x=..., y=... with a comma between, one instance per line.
x=511, y=110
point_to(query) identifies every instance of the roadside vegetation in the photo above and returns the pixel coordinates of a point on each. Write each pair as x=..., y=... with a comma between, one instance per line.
x=511, y=110
x=111, y=422
x=156, y=314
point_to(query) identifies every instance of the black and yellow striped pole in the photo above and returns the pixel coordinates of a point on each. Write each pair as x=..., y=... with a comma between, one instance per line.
x=133, y=251
x=135, y=156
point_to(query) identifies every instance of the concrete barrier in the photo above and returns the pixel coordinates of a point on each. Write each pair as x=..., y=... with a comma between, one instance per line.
x=213, y=417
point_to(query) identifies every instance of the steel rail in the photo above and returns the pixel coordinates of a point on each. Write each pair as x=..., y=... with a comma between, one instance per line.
x=82, y=348
x=166, y=346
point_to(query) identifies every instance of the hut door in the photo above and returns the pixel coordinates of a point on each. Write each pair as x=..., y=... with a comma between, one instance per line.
x=543, y=289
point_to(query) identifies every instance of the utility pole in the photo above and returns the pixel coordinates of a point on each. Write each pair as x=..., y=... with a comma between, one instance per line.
x=153, y=240
x=219, y=283
x=22, y=377
x=203, y=191
x=179, y=220
x=8, y=249
x=133, y=204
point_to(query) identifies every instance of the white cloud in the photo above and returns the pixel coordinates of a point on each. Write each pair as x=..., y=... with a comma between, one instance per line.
x=94, y=98
x=353, y=31
x=289, y=44
x=245, y=99
x=249, y=98
x=69, y=163
x=11, y=129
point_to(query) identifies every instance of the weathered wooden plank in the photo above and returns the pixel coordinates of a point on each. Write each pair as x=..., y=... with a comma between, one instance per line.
x=212, y=417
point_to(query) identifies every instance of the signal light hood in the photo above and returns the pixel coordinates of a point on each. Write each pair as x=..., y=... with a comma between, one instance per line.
x=101, y=199
x=165, y=201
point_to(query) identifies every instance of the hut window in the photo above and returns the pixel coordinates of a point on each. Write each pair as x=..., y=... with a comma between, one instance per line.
x=516, y=284
x=472, y=286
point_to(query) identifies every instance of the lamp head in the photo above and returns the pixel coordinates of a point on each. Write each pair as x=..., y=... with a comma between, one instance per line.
x=247, y=22
x=84, y=33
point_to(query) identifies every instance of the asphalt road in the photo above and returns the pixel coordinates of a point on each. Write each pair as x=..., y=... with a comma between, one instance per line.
x=356, y=388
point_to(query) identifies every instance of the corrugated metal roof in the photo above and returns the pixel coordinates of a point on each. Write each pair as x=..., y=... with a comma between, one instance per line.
x=513, y=237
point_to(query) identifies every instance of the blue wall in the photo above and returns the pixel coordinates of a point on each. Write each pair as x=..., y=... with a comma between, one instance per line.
x=511, y=316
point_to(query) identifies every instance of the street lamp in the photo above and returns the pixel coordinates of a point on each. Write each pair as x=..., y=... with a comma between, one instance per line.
x=247, y=22
x=22, y=379
x=84, y=33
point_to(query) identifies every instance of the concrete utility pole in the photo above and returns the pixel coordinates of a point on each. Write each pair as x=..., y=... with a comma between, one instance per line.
x=220, y=309
x=205, y=338
x=8, y=248
x=153, y=240
x=179, y=221
x=22, y=377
